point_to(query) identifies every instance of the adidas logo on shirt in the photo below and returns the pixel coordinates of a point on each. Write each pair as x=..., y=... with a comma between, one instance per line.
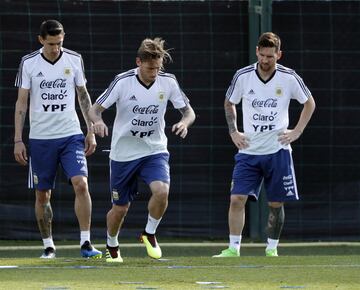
x=251, y=92
x=39, y=74
x=133, y=98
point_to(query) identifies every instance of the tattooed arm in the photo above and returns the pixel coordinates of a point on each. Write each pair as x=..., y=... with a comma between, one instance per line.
x=188, y=117
x=21, y=108
x=85, y=104
x=238, y=138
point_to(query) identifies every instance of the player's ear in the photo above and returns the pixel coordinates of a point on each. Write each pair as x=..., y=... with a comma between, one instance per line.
x=138, y=61
x=279, y=54
x=41, y=40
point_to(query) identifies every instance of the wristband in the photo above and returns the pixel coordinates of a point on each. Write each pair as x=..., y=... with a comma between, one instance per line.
x=19, y=141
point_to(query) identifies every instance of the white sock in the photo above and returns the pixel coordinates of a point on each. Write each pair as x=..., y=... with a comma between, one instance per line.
x=48, y=243
x=272, y=244
x=152, y=225
x=112, y=241
x=84, y=236
x=235, y=241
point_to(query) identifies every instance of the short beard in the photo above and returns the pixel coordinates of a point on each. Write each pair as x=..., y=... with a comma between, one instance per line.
x=266, y=68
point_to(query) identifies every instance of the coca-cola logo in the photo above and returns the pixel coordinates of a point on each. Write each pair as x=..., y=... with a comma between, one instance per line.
x=269, y=103
x=152, y=109
x=58, y=83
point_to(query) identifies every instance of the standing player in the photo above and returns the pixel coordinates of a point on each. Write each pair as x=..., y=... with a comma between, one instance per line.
x=265, y=89
x=139, y=144
x=50, y=76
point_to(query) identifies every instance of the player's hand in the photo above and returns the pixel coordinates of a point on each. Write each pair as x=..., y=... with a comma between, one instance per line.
x=289, y=136
x=180, y=128
x=99, y=128
x=90, y=144
x=239, y=139
x=20, y=153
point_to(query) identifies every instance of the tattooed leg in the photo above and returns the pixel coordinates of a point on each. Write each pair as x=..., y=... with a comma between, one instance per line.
x=275, y=222
x=44, y=213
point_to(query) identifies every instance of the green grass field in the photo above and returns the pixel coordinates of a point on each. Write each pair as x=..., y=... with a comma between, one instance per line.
x=300, y=266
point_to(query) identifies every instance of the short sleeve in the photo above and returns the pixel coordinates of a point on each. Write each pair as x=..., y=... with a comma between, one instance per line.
x=300, y=92
x=23, y=79
x=80, y=79
x=234, y=92
x=110, y=95
x=177, y=96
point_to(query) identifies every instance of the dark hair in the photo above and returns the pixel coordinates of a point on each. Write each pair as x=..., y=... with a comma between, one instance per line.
x=269, y=39
x=153, y=49
x=51, y=27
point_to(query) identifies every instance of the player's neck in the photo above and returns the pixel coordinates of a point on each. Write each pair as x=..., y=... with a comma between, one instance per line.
x=51, y=57
x=265, y=75
x=144, y=80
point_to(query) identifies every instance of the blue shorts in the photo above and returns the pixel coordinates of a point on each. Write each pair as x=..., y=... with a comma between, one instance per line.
x=123, y=175
x=46, y=155
x=275, y=170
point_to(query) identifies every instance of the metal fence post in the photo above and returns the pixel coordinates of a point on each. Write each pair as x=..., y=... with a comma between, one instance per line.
x=260, y=12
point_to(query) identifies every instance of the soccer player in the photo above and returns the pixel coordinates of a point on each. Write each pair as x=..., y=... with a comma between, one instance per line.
x=265, y=89
x=139, y=144
x=50, y=76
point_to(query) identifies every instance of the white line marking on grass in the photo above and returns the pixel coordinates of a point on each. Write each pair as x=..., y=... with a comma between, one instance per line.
x=183, y=267
x=163, y=260
x=204, y=244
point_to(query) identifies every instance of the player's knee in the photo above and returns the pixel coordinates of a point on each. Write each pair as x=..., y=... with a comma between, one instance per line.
x=160, y=191
x=238, y=201
x=80, y=186
x=43, y=197
x=275, y=204
x=120, y=210
x=161, y=194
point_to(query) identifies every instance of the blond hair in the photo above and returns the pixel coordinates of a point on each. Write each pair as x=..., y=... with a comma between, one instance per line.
x=153, y=49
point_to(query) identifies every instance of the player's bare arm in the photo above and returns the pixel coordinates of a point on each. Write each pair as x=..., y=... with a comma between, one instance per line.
x=99, y=127
x=85, y=104
x=292, y=135
x=21, y=108
x=237, y=137
x=188, y=117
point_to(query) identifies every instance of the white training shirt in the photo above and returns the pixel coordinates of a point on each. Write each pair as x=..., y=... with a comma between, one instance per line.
x=265, y=105
x=52, y=93
x=139, y=124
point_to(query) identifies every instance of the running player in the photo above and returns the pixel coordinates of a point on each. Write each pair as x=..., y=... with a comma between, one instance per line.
x=139, y=144
x=265, y=89
x=50, y=77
